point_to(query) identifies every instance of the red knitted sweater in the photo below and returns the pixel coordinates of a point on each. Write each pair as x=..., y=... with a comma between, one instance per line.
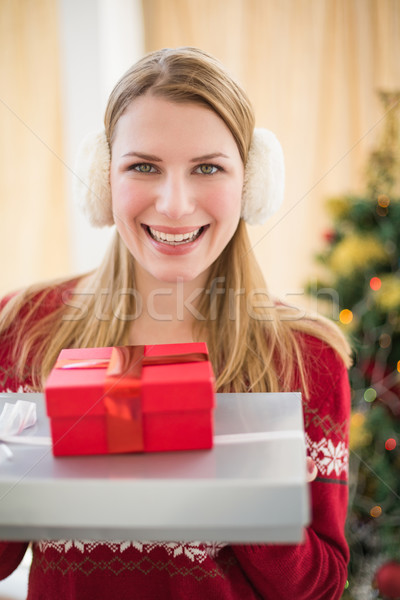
x=313, y=570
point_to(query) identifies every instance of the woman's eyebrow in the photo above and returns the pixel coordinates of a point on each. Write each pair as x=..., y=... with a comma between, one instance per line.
x=153, y=158
x=143, y=156
x=209, y=157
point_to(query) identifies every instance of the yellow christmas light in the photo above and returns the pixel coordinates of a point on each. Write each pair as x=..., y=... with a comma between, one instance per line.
x=346, y=316
x=383, y=200
x=359, y=437
x=357, y=419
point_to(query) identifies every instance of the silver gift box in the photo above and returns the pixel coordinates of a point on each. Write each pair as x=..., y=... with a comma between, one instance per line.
x=251, y=487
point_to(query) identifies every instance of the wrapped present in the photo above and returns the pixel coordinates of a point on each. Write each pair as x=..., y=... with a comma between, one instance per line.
x=131, y=399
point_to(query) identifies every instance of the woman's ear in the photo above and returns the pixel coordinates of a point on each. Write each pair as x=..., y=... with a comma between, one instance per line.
x=92, y=179
x=264, y=177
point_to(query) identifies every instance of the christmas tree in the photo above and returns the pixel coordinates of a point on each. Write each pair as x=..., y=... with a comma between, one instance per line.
x=361, y=263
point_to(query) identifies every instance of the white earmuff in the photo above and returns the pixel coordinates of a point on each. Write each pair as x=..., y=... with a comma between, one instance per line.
x=264, y=178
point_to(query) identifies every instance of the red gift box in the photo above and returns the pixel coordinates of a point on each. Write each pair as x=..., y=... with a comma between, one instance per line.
x=131, y=399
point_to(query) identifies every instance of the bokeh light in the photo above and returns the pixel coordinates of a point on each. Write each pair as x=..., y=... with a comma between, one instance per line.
x=390, y=444
x=346, y=316
x=383, y=200
x=382, y=211
x=375, y=283
x=385, y=340
x=357, y=419
x=369, y=395
x=375, y=511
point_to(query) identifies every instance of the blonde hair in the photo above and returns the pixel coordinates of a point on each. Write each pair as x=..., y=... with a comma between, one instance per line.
x=251, y=348
x=185, y=75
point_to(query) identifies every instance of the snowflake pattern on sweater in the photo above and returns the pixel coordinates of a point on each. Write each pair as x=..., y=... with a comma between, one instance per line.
x=194, y=551
x=330, y=459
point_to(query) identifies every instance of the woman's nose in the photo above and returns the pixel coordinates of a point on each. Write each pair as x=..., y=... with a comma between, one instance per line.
x=174, y=198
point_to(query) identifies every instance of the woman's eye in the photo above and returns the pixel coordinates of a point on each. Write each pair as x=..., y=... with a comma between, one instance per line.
x=143, y=168
x=207, y=169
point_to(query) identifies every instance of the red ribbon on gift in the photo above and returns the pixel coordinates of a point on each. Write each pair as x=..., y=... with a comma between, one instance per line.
x=122, y=387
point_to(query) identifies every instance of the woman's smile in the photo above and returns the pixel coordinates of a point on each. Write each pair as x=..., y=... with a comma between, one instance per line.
x=166, y=240
x=174, y=238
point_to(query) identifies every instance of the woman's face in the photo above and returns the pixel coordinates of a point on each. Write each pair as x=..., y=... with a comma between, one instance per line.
x=176, y=182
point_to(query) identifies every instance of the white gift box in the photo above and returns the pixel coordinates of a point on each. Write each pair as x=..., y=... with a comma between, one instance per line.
x=251, y=487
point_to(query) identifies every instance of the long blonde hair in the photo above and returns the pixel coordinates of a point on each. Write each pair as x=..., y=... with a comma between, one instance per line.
x=251, y=348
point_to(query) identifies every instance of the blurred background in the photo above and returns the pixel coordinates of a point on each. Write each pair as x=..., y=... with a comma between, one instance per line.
x=324, y=76
x=311, y=68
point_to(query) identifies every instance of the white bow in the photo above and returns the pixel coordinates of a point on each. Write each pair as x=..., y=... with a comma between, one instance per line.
x=14, y=418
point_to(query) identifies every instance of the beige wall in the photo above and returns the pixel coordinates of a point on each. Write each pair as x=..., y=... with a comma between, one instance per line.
x=33, y=235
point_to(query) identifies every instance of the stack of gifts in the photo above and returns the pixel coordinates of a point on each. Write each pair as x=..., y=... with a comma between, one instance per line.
x=131, y=399
x=136, y=404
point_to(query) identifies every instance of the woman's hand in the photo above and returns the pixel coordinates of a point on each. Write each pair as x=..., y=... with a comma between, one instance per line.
x=312, y=470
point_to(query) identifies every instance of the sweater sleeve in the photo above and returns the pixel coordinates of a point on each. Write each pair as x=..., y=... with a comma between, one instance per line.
x=317, y=568
x=11, y=554
x=36, y=307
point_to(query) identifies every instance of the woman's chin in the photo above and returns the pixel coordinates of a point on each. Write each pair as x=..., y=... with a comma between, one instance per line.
x=178, y=278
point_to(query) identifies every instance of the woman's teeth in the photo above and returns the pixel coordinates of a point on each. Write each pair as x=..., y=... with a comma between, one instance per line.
x=174, y=238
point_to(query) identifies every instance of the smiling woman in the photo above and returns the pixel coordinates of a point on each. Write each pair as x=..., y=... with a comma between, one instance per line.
x=178, y=170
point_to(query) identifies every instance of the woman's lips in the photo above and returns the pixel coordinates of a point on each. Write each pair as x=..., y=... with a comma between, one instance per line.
x=175, y=240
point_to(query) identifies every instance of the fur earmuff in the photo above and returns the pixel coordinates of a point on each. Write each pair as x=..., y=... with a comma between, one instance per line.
x=92, y=179
x=264, y=178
